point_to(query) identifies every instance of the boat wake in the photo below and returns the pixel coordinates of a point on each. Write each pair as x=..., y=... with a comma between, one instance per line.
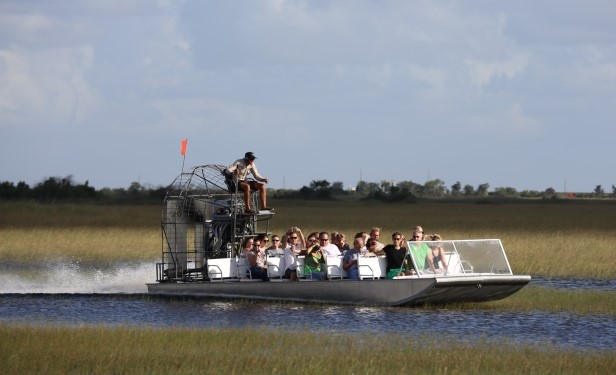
x=61, y=277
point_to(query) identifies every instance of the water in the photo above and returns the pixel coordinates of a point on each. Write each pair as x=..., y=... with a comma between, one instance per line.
x=75, y=294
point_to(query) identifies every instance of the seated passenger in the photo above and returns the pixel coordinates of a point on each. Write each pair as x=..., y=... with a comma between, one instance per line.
x=373, y=249
x=420, y=250
x=257, y=264
x=397, y=259
x=350, y=262
x=294, y=247
x=437, y=256
x=261, y=242
x=327, y=247
x=276, y=249
x=247, y=245
x=375, y=234
x=315, y=263
x=341, y=242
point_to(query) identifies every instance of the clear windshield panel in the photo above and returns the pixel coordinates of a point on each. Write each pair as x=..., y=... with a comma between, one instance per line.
x=459, y=257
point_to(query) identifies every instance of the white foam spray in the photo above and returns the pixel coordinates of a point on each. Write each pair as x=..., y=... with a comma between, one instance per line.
x=73, y=277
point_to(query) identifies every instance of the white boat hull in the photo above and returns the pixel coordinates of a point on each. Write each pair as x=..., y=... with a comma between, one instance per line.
x=408, y=291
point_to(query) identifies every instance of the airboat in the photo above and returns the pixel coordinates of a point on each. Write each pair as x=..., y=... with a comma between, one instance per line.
x=204, y=223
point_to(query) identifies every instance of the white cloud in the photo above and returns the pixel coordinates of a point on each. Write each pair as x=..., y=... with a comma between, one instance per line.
x=482, y=72
x=46, y=87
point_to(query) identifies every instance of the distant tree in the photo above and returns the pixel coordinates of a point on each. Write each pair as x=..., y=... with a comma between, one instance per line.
x=505, y=192
x=599, y=193
x=456, y=189
x=386, y=185
x=337, y=187
x=549, y=193
x=482, y=190
x=530, y=194
x=411, y=187
x=613, y=191
x=362, y=187
x=434, y=188
x=469, y=190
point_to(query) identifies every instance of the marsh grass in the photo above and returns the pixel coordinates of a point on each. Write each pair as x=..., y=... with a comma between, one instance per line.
x=560, y=240
x=533, y=298
x=119, y=350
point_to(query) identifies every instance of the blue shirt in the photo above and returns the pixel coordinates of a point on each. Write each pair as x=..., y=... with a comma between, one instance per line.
x=351, y=255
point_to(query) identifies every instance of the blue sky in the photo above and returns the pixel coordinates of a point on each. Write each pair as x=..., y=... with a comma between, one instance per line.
x=519, y=94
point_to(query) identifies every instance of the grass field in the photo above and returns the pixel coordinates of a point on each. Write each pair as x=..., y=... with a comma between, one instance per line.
x=105, y=350
x=563, y=240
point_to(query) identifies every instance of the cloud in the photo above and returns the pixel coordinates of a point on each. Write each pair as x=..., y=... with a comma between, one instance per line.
x=482, y=72
x=46, y=86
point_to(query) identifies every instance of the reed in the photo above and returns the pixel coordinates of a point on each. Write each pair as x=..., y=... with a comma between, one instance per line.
x=119, y=350
x=533, y=298
x=560, y=240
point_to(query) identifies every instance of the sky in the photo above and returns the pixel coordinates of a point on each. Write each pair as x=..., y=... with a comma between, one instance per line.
x=515, y=94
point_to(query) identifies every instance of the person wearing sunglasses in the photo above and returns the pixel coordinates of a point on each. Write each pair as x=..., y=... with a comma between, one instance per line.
x=276, y=249
x=397, y=259
x=329, y=248
x=295, y=245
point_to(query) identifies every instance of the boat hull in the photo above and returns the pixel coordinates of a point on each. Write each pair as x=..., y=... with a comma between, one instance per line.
x=408, y=291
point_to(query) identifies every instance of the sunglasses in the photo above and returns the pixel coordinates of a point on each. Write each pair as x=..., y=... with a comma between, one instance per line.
x=293, y=238
x=324, y=239
x=276, y=240
x=397, y=238
x=416, y=236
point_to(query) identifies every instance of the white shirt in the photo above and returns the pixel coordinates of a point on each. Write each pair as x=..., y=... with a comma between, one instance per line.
x=244, y=169
x=331, y=250
x=290, y=257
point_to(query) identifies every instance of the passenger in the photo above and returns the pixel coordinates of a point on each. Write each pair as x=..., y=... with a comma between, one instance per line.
x=276, y=249
x=437, y=255
x=257, y=264
x=373, y=250
x=350, y=262
x=397, y=259
x=261, y=242
x=247, y=245
x=315, y=263
x=315, y=235
x=418, y=229
x=302, y=240
x=313, y=239
x=330, y=249
x=375, y=234
x=365, y=237
x=341, y=242
x=333, y=236
x=295, y=247
x=420, y=250
x=241, y=168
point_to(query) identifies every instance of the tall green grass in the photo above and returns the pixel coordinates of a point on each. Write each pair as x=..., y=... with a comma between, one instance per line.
x=104, y=350
x=563, y=240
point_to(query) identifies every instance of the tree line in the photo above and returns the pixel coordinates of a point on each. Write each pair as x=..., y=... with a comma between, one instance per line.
x=58, y=189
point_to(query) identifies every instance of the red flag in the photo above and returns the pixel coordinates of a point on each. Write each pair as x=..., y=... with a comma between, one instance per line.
x=184, y=144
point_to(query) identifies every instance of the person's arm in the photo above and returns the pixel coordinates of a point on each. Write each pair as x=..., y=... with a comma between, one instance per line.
x=441, y=253
x=347, y=262
x=255, y=173
x=301, y=238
